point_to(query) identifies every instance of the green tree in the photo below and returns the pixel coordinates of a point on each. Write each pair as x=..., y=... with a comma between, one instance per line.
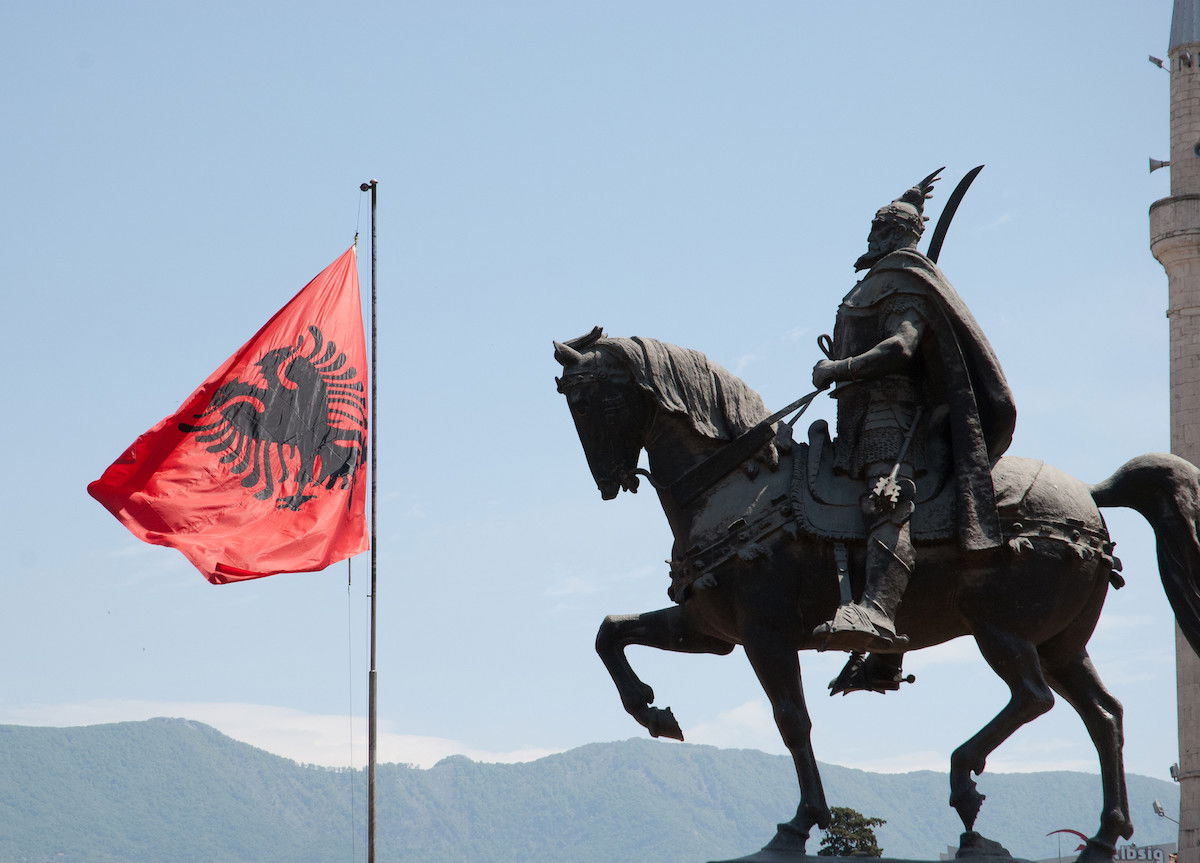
x=850, y=834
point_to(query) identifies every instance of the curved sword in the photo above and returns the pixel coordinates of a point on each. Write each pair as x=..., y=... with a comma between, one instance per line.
x=943, y=225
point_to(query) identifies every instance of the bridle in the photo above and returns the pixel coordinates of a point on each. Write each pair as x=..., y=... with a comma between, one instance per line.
x=649, y=432
x=711, y=470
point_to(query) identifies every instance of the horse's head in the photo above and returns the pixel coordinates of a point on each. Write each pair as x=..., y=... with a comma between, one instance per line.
x=623, y=390
x=610, y=411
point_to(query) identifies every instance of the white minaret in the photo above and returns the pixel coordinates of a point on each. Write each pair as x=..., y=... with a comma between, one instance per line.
x=1175, y=242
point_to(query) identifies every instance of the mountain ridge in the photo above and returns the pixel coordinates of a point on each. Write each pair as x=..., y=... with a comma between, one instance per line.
x=179, y=790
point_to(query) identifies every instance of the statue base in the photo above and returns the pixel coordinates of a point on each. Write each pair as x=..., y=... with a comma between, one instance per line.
x=972, y=847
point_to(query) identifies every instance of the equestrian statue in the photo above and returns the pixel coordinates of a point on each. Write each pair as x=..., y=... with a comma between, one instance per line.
x=908, y=528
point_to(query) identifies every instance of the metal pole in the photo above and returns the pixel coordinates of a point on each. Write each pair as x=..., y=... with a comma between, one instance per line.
x=374, y=439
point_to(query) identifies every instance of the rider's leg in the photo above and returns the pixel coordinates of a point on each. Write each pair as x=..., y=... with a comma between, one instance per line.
x=890, y=560
x=869, y=624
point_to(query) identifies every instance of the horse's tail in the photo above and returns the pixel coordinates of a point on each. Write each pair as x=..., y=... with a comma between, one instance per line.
x=1165, y=489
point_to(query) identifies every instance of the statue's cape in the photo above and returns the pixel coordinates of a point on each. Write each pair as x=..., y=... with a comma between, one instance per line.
x=982, y=412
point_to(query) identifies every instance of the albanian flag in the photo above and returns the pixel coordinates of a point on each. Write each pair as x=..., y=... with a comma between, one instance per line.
x=261, y=470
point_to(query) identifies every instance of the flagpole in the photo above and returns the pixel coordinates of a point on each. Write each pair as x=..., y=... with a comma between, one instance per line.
x=372, y=736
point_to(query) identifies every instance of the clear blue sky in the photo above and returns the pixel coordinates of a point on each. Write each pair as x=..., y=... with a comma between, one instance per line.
x=699, y=172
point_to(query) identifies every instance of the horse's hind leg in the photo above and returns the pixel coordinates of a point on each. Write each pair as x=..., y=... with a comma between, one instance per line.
x=1015, y=660
x=666, y=629
x=1075, y=679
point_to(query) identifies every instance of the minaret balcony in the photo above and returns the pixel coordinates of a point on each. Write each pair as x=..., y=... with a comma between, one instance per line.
x=1175, y=228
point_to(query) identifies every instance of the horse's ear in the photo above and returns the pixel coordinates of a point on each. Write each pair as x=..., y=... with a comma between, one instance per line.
x=585, y=341
x=566, y=355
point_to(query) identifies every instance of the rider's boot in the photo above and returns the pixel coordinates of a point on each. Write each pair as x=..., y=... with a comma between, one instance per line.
x=869, y=624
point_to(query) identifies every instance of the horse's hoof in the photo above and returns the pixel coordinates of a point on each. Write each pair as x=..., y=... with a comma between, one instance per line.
x=967, y=803
x=788, y=839
x=661, y=722
x=1096, y=852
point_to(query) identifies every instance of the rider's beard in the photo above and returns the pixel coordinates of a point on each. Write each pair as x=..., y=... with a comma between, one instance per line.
x=867, y=260
x=880, y=246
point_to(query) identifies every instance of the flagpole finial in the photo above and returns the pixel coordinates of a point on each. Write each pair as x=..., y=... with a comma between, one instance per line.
x=367, y=186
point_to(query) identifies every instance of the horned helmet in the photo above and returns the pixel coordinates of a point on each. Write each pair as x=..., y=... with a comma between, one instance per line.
x=908, y=211
x=898, y=224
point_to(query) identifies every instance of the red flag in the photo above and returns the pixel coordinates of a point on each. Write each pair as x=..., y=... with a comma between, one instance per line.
x=262, y=470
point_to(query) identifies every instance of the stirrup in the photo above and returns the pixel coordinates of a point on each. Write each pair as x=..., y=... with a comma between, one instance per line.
x=862, y=674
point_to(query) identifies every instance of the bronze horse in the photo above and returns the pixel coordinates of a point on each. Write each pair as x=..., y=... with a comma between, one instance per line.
x=746, y=570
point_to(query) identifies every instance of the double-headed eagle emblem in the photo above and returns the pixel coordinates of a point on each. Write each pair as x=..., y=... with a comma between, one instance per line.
x=304, y=428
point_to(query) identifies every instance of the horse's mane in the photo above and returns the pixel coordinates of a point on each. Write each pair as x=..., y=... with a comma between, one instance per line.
x=717, y=404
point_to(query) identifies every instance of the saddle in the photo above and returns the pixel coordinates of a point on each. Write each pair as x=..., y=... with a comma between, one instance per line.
x=1036, y=503
x=827, y=504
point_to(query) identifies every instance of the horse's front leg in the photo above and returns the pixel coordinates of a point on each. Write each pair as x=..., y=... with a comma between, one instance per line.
x=666, y=629
x=777, y=665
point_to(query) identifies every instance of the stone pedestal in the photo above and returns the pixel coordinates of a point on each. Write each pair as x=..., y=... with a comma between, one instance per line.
x=972, y=848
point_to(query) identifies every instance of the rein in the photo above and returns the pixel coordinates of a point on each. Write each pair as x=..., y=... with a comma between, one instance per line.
x=658, y=484
x=703, y=476
x=717, y=466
